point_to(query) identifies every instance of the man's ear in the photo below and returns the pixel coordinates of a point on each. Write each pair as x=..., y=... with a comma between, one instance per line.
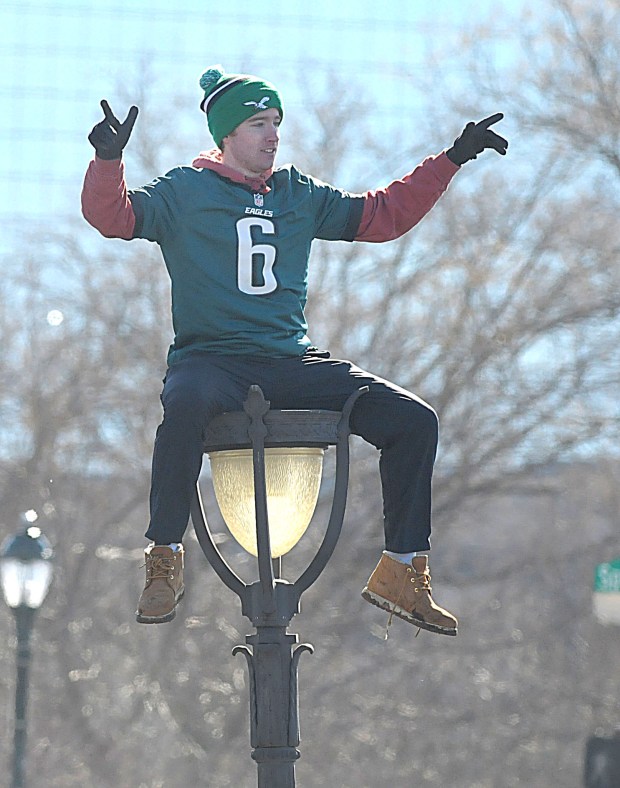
x=226, y=138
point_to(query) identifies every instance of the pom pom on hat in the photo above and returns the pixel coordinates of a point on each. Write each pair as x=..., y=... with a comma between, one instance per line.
x=209, y=79
x=229, y=99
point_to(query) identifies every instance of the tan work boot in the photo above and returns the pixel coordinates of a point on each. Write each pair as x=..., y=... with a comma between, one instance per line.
x=164, y=584
x=404, y=590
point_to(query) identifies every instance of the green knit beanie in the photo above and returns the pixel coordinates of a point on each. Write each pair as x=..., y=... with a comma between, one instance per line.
x=229, y=99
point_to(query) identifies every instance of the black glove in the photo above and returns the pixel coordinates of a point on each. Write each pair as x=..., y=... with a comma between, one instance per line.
x=475, y=138
x=109, y=137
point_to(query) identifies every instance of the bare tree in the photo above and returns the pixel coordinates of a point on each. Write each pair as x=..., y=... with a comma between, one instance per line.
x=500, y=307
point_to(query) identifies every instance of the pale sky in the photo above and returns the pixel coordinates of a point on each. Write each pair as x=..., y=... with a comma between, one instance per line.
x=60, y=57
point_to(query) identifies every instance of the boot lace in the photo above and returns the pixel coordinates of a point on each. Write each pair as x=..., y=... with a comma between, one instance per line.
x=159, y=567
x=425, y=579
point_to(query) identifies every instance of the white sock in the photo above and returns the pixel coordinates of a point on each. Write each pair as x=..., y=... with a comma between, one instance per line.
x=404, y=558
x=175, y=546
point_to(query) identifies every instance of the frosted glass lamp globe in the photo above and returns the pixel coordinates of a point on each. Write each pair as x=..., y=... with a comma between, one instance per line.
x=25, y=568
x=293, y=478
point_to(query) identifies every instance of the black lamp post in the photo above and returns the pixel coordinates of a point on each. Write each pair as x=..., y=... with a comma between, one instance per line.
x=270, y=603
x=25, y=573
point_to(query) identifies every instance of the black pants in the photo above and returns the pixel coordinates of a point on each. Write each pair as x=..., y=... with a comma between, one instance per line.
x=402, y=426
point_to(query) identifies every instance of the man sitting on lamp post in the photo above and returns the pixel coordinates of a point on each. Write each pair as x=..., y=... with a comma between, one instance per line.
x=235, y=233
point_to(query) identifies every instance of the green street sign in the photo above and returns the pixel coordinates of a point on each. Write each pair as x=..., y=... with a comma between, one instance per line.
x=607, y=578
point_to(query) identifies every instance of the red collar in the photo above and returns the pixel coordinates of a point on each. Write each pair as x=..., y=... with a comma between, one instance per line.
x=212, y=160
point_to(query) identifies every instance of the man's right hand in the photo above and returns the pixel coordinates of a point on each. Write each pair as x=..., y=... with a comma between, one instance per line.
x=109, y=137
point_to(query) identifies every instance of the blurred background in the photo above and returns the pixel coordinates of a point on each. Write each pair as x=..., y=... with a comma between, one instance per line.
x=500, y=309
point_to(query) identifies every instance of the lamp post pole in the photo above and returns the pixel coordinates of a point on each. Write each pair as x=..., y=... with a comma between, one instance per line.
x=24, y=619
x=273, y=654
x=25, y=573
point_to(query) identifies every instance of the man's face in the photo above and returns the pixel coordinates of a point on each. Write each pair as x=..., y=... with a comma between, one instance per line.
x=251, y=148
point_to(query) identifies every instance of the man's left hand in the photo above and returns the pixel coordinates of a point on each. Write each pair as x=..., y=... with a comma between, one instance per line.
x=475, y=138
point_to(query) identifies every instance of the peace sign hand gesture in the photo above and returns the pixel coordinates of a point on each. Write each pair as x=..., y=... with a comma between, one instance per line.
x=474, y=138
x=109, y=137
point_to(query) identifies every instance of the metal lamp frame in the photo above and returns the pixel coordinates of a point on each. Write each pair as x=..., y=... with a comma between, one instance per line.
x=273, y=654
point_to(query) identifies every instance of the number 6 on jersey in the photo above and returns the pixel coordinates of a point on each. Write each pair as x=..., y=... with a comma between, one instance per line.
x=246, y=250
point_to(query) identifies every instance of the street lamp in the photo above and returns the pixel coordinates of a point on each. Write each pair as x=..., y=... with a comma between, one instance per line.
x=25, y=574
x=266, y=469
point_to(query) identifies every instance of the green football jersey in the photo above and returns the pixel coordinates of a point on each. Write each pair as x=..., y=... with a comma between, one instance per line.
x=237, y=259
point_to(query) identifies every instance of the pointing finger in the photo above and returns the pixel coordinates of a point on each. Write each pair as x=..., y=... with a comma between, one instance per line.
x=484, y=124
